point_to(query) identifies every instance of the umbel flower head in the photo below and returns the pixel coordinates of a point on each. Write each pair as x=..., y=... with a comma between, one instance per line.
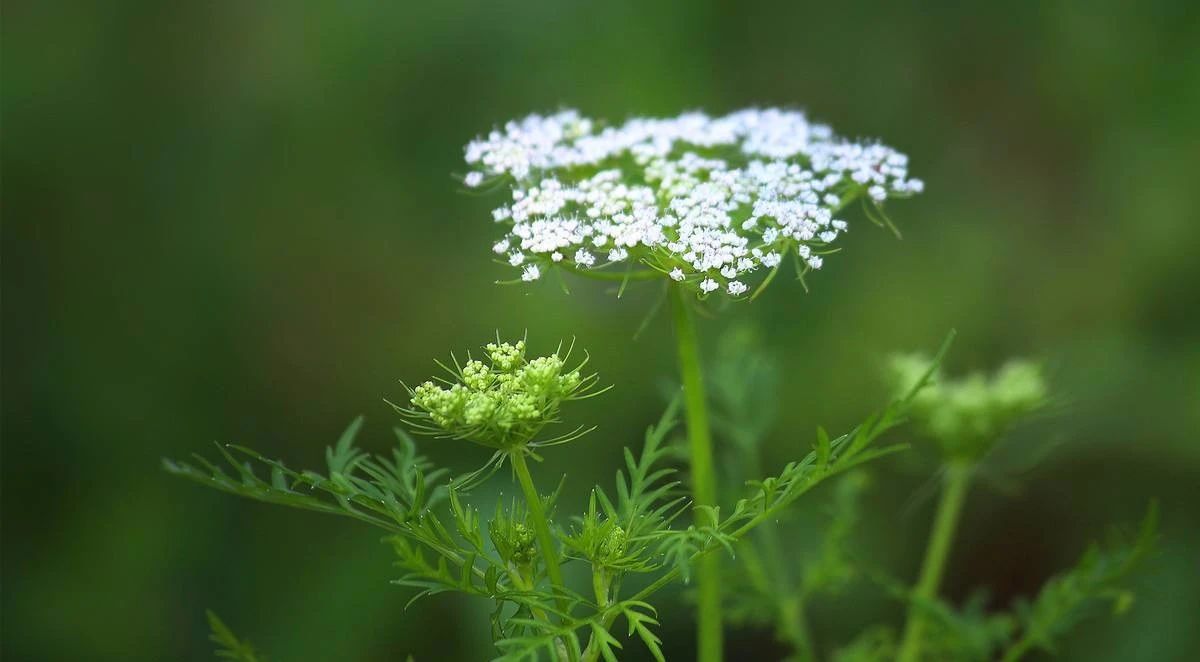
x=966, y=416
x=714, y=203
x=503, y=401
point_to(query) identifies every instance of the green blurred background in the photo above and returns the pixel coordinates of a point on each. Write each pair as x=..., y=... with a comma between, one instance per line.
x=236, y=221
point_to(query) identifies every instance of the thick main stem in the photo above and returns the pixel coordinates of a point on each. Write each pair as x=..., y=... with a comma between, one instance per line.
x=704, y=483
x=954, y=493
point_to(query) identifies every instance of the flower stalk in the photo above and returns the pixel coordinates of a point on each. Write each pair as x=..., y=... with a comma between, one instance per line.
x=954, y=493
x=537, y=514
x=545, y=540
x=704, y=483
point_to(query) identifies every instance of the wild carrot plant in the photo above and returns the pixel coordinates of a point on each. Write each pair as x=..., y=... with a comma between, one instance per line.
x=712, y=205
x=709, y=208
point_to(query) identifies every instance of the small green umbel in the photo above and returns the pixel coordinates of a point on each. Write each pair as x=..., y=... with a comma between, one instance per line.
x=966, y=416
x=502, y=402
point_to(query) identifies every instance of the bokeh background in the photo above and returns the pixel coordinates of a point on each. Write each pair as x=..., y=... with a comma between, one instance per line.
x=237, y=222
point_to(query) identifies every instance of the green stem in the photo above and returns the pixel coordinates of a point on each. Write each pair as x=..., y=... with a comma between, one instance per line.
x=602, y=587
x=704, y=484
x=523, y=583
x=541, y=527
x=954, y=493
x=537, y=512
x=794, y=624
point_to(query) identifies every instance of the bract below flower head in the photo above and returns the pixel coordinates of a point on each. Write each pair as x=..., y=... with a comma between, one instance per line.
x=502, y=402
x=966, y=416
x=714, y=203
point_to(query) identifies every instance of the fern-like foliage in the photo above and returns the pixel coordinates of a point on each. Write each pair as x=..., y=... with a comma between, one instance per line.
x=1070, y=596
x=969, y=633
x=442, y=544
x=229, y=647
x=875, y=644
x=394, y=493
x=387, y=492
x=741, y=373
x=972, y=633
x=439, y=554
x=618, y=534
x=646, y=500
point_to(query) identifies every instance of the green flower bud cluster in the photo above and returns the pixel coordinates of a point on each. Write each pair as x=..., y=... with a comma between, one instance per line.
x=502, y=403
x=612, y=547
x=600, y=540
x=513, y=536
x=967, y=416
x=515, y=542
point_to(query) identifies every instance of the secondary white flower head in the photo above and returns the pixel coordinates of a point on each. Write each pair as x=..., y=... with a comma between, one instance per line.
x=693, y=195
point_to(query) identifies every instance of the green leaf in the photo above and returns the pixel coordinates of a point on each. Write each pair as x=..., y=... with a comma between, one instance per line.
x=605, y=641
x=824, y=449
x=229, y=647
x=1097, y=578
x=382, y=491
x=640, y=623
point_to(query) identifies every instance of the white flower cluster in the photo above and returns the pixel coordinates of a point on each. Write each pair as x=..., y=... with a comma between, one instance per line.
x=703, y=200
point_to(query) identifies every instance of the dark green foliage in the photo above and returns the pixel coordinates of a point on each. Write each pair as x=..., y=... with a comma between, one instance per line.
x=1070, y=596
x=442, y=544
x=627, y=530
x=388, y=492
x=969, y=633
x=972, y=633
x=229, y=647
